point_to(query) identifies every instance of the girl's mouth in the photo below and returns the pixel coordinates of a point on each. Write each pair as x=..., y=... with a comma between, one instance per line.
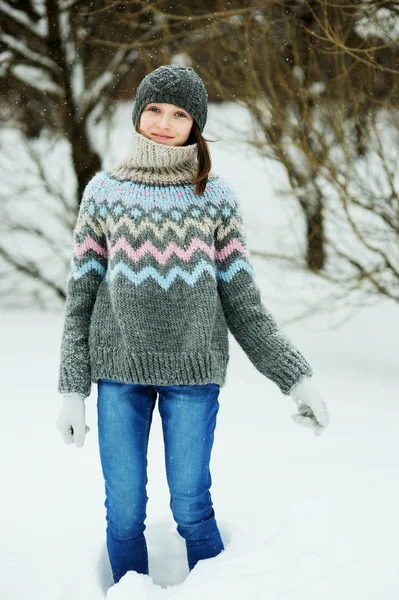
x=163, y=137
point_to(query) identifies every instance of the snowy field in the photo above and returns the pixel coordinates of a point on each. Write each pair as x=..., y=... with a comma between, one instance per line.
x=302, y=517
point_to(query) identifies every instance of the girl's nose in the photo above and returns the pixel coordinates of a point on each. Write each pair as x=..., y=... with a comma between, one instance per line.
x=164, y=121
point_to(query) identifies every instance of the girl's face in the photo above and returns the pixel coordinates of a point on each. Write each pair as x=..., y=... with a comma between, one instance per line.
x=165, y=123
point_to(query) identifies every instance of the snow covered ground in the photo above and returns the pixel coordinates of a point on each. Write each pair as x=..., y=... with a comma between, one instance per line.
x=303, y=518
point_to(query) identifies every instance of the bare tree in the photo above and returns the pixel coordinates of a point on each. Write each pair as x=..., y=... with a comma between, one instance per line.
x=37, y=215
x=364, y=207
x=320, y=79
x=53, y=79
x=56, y=81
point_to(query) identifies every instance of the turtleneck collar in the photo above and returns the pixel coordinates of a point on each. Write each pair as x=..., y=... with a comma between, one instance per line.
x=156, y=163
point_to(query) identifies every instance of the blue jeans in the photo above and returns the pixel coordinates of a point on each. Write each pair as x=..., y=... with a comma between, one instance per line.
x=188, y=414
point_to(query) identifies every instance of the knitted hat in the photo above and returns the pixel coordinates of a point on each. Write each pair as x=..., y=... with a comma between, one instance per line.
x=176, y=85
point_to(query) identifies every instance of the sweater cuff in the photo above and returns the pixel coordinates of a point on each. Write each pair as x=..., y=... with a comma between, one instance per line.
x=298, y=383
x=73, y=396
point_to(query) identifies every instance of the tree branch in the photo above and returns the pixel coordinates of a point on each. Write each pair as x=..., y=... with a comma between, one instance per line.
x=34, y=58
x=37, y=29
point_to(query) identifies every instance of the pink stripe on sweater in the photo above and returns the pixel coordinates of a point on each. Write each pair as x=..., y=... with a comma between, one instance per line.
x=161, y=256
x=234, y=244
x=88, y=244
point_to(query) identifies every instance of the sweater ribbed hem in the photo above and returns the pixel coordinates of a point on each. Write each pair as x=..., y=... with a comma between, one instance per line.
x=291, y=368
x=159, y=368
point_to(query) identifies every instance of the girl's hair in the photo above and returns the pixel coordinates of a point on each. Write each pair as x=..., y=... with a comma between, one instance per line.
x=203, y=157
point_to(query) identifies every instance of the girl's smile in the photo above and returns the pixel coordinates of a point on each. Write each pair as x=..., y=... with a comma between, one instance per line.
x=164, y=137
x=165, y=123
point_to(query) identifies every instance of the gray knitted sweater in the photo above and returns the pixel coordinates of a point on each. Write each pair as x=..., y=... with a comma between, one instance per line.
x=157, y=278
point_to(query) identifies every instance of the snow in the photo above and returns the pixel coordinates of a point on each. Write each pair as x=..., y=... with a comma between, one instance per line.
x=37, y=78
x=21, y=17
x=302, y=517
x=22, y=49
x=91, y=95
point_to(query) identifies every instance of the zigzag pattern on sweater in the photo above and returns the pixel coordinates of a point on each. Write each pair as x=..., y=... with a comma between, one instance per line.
x=165, y=281
x=107, y=224
x=158, y=230
x=180, y=230
x=136, y=228
x=91, y=265
x=161, y=256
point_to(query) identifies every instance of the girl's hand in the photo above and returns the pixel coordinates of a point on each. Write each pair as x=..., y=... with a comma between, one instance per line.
x=312, y=410
x=71, y=421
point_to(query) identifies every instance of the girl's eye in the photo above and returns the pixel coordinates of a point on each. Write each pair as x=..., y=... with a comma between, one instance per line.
x=156, y=109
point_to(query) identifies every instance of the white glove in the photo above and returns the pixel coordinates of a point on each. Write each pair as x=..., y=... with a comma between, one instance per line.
x=71, y=421
x=312, y=410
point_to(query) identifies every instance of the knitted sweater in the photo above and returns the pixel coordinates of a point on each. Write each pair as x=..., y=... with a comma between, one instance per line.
x=158, y=277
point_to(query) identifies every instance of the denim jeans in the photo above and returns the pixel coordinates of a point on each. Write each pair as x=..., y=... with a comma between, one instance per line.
x=188, y=414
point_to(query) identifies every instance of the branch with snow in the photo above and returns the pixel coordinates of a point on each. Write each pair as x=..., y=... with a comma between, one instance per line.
x=23, y=50
x=37, y=78
x=38, y=29
x=106, y=80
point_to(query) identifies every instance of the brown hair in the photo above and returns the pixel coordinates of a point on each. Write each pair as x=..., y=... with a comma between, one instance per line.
x=203, y=157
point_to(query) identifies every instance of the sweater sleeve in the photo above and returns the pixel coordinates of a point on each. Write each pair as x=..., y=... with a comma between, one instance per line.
x=252, y=325
x=87, y=270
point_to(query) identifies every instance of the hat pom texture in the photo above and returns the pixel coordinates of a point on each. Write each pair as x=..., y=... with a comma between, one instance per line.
x=172, y=84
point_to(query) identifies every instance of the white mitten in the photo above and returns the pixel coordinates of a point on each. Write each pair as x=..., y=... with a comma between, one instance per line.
x=312, y=410
x=71, y=421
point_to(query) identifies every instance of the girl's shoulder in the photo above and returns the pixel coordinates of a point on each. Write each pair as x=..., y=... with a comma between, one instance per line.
x=99, y=187
x=96, y=183
x=223, y=188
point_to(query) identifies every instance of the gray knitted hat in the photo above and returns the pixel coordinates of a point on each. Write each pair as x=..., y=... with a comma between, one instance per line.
x=171, y=84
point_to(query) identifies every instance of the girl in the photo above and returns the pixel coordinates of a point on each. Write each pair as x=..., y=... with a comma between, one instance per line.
x=160, y=272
